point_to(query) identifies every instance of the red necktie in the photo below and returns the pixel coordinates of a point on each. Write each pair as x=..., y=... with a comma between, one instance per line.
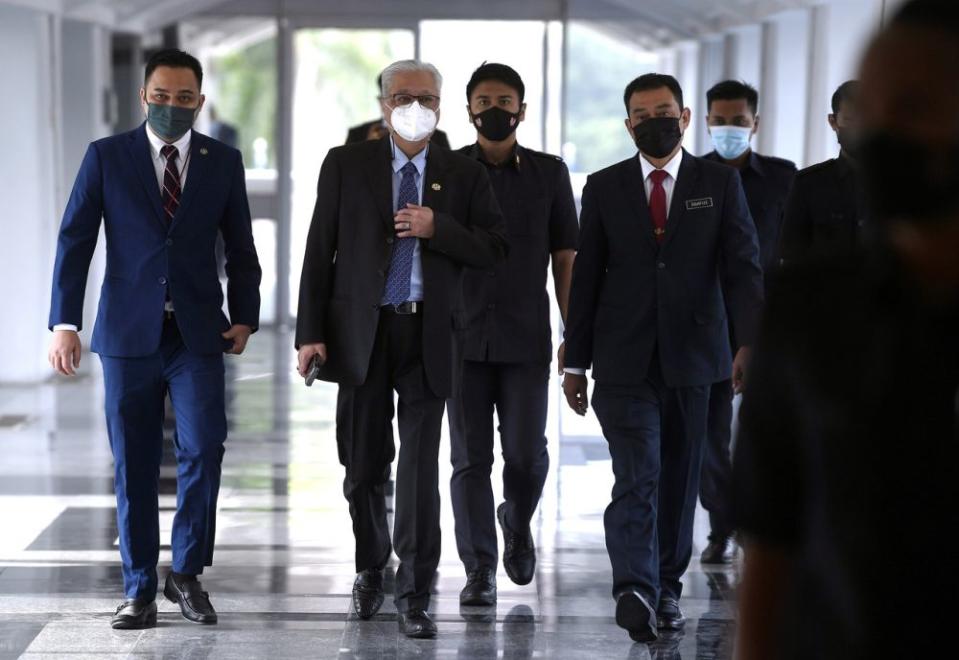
x=171, y=182
x=657, y=203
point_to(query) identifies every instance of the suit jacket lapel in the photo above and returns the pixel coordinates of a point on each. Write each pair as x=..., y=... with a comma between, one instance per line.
x=379, y=174
x=434, y=178
x=682, y=190
x=198, y=168
x=143, y=164
x=635, y=188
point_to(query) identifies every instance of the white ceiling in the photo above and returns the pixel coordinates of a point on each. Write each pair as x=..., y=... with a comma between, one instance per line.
x=665, y=20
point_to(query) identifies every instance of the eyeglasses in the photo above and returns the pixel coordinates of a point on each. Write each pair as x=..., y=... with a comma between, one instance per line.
x=426, y=100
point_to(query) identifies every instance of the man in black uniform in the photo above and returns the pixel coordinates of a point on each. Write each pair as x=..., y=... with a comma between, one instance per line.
x=846, y=465
x=733, y=119
x=824, y=212
x=508, y=340
x=377, y=129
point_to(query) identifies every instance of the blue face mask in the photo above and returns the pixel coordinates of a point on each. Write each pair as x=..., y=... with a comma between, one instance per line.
x=730, y=142
x=170, y=122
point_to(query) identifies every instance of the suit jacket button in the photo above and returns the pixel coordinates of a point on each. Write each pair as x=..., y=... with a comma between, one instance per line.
x=660, y=265
x=389, y=241
x=162, y=280
x=380, y=273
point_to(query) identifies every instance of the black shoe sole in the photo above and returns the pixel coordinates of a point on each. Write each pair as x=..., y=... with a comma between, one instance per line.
x=478, y=602
x=129, y=624
x=670, y=624
x=174, y=597
x=513, y=576
x=634, y=616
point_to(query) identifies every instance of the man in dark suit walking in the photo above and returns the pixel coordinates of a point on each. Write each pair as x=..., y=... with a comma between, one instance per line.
x=395, y=222
x=825, y=215
x=666, y=247
x=164, y=193
x=733, y=118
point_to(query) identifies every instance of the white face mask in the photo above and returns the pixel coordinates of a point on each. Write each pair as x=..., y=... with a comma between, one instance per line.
x=413, y=122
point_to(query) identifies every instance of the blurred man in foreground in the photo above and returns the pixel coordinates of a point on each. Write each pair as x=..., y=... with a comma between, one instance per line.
x=846, y=469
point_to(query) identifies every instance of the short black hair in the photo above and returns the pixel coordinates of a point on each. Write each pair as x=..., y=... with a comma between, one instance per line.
x=177, y=59
x=848, y=91
x=498, y=72
x=733, y=90
x=939, y=14
x=649, y=81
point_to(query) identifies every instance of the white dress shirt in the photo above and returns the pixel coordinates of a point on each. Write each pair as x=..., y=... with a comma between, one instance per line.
x=159, y=165
x=669, y=183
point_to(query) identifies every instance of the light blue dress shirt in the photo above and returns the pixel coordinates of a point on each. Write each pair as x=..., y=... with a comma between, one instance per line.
x=419, y=160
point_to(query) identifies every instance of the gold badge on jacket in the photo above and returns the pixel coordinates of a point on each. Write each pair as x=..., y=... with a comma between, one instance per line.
x=436, y=186
x=203, y=151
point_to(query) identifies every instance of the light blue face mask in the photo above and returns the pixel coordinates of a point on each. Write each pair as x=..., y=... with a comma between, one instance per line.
x=730, y=142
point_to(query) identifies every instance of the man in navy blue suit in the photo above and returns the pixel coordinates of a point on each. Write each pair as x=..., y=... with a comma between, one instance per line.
x=667, y=245
x=164, y=193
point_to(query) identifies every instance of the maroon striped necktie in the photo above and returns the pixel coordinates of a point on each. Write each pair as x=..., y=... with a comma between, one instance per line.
x=171, y=182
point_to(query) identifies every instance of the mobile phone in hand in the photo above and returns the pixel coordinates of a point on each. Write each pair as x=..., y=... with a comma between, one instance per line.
x=313, y=371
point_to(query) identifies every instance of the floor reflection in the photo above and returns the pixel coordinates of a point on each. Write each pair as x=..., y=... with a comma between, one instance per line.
x=283, y=567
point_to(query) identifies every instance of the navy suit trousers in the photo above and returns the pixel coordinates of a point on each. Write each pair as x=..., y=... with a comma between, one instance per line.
x=135, y=389
x=655, y=435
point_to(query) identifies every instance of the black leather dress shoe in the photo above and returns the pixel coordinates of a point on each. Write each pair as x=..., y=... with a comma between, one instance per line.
x=716, y=550
x=480, y=589
x=135, y=614
x=636, y=615
x=416, y=624
x=669, y=616
x=194, y=603
x=368, y=593
x=519, y=556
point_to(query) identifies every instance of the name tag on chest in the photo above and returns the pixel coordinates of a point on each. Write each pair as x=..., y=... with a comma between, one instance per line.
x=702, y=203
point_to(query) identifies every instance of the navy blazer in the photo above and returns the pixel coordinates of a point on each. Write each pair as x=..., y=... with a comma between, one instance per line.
x=631, y=295
x=147, y=257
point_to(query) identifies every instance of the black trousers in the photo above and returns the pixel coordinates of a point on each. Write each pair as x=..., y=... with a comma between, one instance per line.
x=655, y=435
x=716, y=487
x=364, y=434
x=519, y=395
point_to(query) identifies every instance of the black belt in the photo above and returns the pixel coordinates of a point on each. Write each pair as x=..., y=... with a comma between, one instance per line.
x=404, y=309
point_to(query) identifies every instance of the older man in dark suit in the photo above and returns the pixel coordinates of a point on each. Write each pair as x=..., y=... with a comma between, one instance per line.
x=666, y=247
x=395, y=222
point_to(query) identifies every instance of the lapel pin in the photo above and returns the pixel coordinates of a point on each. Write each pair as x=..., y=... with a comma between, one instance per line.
x=203, y=151
x=436, y=186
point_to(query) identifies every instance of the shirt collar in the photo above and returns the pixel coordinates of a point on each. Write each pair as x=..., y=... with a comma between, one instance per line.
x=156, y=143
x=671, y=168
x=400, y=159
x=514, y=160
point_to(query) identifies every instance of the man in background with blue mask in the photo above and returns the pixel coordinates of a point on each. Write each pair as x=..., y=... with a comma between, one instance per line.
x=163, y=193
x=733, y=120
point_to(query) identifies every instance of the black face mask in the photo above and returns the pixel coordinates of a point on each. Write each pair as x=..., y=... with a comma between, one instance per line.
x=498, y=124
x=850, y=141
x=908, y=181
x=657, y=136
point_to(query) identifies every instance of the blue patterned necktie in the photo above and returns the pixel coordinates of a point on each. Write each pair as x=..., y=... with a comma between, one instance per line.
x=401, y=263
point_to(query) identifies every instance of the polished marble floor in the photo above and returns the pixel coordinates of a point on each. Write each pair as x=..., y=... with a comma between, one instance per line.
x=283, y=566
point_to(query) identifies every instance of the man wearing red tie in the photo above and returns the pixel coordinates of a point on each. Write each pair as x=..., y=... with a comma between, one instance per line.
x=666, y=246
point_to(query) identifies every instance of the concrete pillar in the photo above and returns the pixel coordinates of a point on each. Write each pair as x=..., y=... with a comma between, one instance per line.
x=30, y=176
x=712, y=57
x=784, y=85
